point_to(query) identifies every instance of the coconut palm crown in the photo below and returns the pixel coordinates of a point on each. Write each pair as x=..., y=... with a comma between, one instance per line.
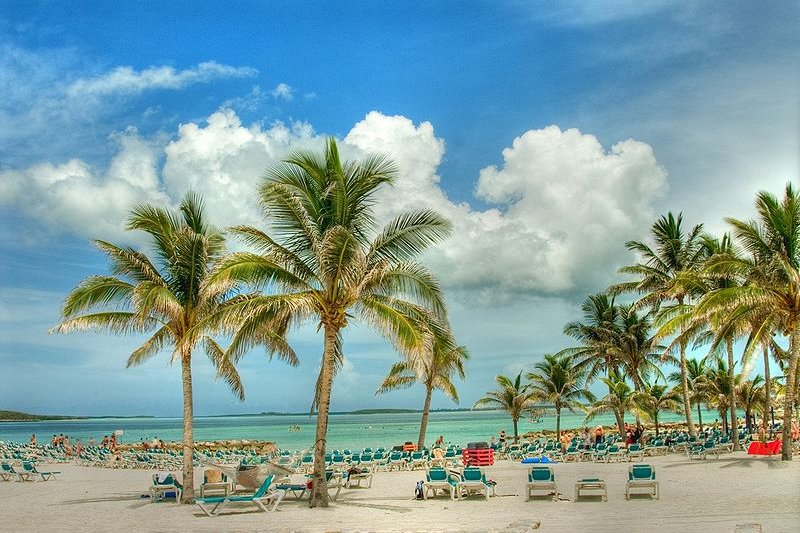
x=558, y=382
x=512, y=396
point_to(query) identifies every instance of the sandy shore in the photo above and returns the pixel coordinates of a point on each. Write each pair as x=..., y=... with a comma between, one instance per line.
x=714, y=495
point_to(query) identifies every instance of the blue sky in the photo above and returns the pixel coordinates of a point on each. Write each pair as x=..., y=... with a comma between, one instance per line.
x=549, y=132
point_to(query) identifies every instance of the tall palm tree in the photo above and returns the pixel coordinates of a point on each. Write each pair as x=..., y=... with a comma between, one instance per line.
x=717, y=387
x=654, y=398
x=168, y=294
x=751, y=396
x=619, y=400
x=696, y=373
x=434, y=368
x=512, y=396
x=661, y=275
x=598, y=335
x=636, y=348
x=558, y=382
x=769, y=288
x=328, y=261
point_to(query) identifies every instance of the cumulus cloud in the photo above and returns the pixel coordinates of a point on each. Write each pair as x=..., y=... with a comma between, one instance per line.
x=560, y=206
x=126, y=80
x=74, y=197
x=563, y=206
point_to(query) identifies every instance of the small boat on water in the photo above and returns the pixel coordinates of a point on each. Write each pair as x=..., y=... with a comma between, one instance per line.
x=294, y=428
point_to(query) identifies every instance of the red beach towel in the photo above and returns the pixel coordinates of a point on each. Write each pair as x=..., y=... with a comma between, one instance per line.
x=762, y=448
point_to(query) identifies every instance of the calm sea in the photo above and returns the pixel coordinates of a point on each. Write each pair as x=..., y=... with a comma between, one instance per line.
x=354, y=431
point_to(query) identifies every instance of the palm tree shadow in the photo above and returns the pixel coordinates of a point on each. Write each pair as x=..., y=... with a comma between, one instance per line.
x=121, y=497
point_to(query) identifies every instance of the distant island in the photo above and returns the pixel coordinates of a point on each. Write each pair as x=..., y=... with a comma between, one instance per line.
x=18, y=416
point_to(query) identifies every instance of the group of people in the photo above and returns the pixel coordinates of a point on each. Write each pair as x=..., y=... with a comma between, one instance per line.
x=155, y=444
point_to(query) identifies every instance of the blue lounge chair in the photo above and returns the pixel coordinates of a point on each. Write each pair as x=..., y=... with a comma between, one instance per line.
x=474, y=480
x=7, y=472
x=541, y=478
x=641, y=477
x=165, y=486
x=31, y=470
x=439, y=479
x=262, y=495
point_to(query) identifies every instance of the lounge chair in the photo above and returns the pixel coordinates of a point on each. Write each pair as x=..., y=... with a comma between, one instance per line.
x=615, y=454
x=635, y=450
x=474, y=480
x=298, y=490
x=165, y=486
x=397, y=461
x=354, y=478
x=439, y=479
x=259, y=498
x=600, y=452
x=418, y=460
x=641, y=477
x=30, y=469
x=7, y=472
x=573, y=453
x=541, y=478
x=597, y=486
x=214, y=480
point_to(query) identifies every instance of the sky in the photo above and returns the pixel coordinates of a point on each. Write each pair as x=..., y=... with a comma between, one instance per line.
x=549, y=133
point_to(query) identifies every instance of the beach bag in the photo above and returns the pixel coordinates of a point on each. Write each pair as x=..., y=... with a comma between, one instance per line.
x=418, y=492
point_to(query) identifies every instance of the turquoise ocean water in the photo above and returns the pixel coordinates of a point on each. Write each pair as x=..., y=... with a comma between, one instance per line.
x=354, y=431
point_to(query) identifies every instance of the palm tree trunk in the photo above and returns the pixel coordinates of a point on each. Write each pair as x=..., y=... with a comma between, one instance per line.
x=687, y=405
x=732, y=396
x=558, y=424
x=788, y=401
x=516, y=433
x=699, y=416
x=620, y=423
x=319, y=489
x=188, y=429
x=656, y=421
x=423, y=426
x=767, y=390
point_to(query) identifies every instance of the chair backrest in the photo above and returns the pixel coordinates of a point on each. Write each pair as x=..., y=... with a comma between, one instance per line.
x=641, y=472
x=28, y=466
x=8, y=468
x=473, y=474
x=436, y=474
x=634, y=447
x=541, y=473
x=307, y=459
x=264, y=486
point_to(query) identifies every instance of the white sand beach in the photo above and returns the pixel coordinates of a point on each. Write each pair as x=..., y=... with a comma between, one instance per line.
x=734, y=491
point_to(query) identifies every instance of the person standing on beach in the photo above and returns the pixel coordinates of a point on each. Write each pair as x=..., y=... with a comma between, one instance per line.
x=33, y=439
x=439, y=442
x=502, y=438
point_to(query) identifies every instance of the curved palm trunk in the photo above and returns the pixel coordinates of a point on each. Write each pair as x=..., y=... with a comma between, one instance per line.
x=732, y=396
x=423, y=425
x=516, y=433
x=319, y=490
x=767, y=393
x=791, y=386
x=655, y=419
x=188, y=429
x=687, y=405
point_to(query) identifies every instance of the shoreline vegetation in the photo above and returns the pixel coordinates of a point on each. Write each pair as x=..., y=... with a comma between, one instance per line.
x=19, y=416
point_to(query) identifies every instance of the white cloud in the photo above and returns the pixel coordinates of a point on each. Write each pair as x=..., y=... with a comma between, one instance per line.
x=74, y=197
x=564, y=206
x=283, y=92
x=126, y=80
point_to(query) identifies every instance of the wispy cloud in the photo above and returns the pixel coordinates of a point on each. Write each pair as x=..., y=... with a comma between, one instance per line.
x=284, y=92
x=126, y=80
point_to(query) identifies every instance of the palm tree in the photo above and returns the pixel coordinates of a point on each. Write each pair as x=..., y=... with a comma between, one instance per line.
x=768, y=291
x=560, y=383
x=635, y=347
x=168, y=294
x=717, y=387
x=751, y=395
x=434, y=369
x=654, y=398
x=661, y=274
x=696, y=371
x=327, y=261
x=511, y=396
x=619, y=400
x=598, y=335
